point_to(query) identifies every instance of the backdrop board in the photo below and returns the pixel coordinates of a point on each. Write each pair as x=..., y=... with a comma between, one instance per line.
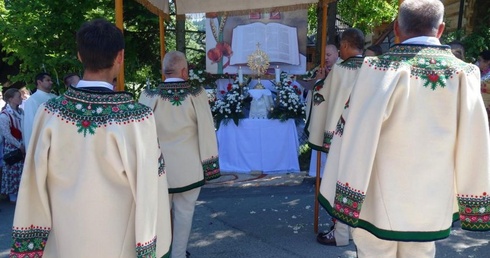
x=280, y=34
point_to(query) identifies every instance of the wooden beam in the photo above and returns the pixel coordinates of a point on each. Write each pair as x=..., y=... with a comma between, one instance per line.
x=120, y=25
x=162, y=41
x=319, y=154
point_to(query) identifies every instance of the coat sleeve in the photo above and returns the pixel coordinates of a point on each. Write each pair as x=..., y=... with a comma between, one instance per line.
x=208, y=148
x=32, y=220
x=318, y=115
x=143, y=163
x=472, y=171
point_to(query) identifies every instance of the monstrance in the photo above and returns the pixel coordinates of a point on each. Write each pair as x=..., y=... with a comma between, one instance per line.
x=258, y=61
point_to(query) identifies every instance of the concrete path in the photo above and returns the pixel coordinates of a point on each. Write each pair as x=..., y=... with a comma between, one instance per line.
x=245, y=215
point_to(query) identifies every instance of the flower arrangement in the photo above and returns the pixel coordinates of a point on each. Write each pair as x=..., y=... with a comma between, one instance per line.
x=230, y=107
x=288, y=103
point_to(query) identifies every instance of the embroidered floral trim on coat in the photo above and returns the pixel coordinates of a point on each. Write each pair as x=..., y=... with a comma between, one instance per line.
x=434, y=65
x=161, y=165
x=147, y=250
x=347, y=204
x=352, y=63
x=211, y=168
x=29, y=241
x=90, y=110
x=175, y=92
x=474, y=211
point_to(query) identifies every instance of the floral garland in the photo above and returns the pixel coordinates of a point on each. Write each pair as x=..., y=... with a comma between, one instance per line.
x=288, y=103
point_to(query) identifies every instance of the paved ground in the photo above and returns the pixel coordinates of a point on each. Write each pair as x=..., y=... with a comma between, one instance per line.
x=243, y=215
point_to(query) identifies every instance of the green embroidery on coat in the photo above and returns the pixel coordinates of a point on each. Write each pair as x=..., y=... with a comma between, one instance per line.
x=347, y=204
x=29, y=241
x=474, y=211
x=318, y=98
x=161, y=165
x=90, y=110
x=211, y=168
x=327, y=140
x=352, y=63
x=434, y=65
x=147, y=250
x=175, y=92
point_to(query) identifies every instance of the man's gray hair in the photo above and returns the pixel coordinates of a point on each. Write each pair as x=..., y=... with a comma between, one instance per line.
x=420, y=17
x=173, y=61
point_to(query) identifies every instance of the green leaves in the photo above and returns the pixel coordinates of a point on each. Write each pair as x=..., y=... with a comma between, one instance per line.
x=367, y=14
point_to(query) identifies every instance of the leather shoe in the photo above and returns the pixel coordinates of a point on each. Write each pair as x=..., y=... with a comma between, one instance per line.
x=327, y=238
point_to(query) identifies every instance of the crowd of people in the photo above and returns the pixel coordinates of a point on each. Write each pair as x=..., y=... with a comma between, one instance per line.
x=99, y=171
x=406, y=134
x=396, y=127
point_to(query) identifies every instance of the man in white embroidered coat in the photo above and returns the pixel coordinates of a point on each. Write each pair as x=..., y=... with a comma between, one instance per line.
x=329, y=100
x=91, y=176
x=188, y=141
x=415, y=141
x=44, y=84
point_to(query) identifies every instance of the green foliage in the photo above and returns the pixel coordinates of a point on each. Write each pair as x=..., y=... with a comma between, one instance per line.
x=474, y=43
x=312, y=19
x=41, y=35
x=367, y=14
x=304, y=157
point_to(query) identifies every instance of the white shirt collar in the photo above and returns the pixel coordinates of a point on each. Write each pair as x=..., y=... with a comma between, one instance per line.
x=87, y=84
x=174, y=80
x=423, y=40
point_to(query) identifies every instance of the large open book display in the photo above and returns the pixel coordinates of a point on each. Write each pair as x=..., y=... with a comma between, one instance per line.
x=279, y=41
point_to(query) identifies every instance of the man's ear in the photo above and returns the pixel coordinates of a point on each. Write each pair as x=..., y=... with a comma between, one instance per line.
x=120, y=57
x=396, y=29
x=79, y=57
x=440, y=30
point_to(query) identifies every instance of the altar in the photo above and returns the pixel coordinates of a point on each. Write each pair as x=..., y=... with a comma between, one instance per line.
x=266, y=145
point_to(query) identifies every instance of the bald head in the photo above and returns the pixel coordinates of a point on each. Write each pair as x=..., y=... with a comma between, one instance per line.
x=420, y=18
x=175, y=65
x=331, y=55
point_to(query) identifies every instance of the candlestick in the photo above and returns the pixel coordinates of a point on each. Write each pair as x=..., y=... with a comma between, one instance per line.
x=278, y=74
x=240, y=75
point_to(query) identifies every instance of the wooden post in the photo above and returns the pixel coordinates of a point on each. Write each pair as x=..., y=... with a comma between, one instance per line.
x=162, y=42
x=318, y=153
x=120, y=25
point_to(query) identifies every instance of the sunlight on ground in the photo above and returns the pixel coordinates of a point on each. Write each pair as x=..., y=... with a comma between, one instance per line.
x=349, y=254
x=216, y=236
x=4, y=253
x=218, y=214
x=460, y=241
x=293, y=202
x=200, y=203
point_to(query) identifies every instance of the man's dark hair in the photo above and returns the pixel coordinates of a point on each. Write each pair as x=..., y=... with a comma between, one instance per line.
x=376, y=49
x=67, y=76
x=457, y=48
x=485, y=54
x=354, y=37
x=98, y=42
x=40, y=77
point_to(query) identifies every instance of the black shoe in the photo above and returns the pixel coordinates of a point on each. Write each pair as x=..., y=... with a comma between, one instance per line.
x=327, y=238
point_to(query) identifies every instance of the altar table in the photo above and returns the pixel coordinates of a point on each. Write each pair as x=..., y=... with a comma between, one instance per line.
x=263, y=145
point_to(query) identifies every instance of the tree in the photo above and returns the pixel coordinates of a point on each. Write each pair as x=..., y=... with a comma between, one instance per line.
x=367, y=14
x=41, y=36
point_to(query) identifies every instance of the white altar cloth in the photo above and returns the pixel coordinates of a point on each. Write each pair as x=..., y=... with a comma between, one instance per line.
x=264, y=145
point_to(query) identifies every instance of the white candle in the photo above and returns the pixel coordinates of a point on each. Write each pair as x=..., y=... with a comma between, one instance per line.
x=278, y=74
x=240, y=75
